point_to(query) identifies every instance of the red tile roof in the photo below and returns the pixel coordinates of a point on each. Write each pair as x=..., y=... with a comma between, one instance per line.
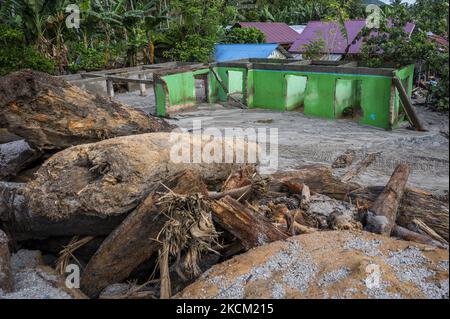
x=439, y=40
x=331, y=33
x=279, y=33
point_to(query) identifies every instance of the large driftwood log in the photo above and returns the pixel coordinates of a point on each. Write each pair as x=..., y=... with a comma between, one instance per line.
x=415, y=204
x=50, y=114
x=22, y=223
x=134, y=241
x=112, y=177
x=244, y=223
x=319, y=179
x=6, y=278
x=124, y=249
x=409, y=235
x=383, y=214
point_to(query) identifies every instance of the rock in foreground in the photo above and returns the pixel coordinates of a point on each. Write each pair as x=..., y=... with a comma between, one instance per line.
x=335, y=264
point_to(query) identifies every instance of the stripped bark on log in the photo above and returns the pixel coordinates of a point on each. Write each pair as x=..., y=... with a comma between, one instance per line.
x=244, y=223
x=415, y=204
x=383, y=214
x=319, y=179
x=235, y=193
x=134, y=241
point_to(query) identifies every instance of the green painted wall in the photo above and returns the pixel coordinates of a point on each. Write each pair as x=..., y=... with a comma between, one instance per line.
x=182, y=91
x=322, y=94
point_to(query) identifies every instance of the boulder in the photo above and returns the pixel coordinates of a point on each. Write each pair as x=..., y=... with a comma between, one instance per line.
x=15, y=156
x=33, y=280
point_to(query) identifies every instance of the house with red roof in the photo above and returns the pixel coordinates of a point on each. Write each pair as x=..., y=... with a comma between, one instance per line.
x=279, y=33
x=335, y=42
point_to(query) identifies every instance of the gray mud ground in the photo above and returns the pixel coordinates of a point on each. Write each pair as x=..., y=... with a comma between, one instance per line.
x=304, y=140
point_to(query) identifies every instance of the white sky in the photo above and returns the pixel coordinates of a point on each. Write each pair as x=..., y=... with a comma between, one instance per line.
x=409, y=1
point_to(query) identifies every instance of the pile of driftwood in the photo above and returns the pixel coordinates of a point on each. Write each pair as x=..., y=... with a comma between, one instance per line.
x=41, y=115
x=124, y=213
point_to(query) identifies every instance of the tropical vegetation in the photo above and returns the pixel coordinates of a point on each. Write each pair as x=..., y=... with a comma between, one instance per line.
x=116, y=33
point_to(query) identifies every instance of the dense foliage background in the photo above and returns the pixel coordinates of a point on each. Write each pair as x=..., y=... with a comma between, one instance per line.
x=115, y=33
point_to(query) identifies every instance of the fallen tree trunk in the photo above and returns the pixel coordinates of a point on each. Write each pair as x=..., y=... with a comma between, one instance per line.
x=247, y=225
x=51, y=114
x=383, y=213
x=6, y=278
x=22, y=223
x=124, y=249
x=419, y=226
x=14, y=157
x=112, y=177
x=415, y=204
x=319, y=179
x=135, y=240
x=409, y=235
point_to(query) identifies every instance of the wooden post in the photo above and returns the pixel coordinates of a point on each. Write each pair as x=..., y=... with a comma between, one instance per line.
x=247, y=225
x=407, y=105
x=383, y=215
x=224, y=87
x=110, y=88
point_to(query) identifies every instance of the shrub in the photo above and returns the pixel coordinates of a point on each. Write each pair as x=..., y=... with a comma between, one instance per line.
x=87, y=59
x=314, y=49
x=15, y=55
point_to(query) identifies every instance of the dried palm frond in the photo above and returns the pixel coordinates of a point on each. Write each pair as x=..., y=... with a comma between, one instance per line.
x=188, y=234
x=67, y=253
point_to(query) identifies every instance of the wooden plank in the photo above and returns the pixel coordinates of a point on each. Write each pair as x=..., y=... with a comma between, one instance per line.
x=116, y=78
x=407, y=105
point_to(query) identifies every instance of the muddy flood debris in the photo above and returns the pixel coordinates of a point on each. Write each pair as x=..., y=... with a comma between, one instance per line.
x=88, y=182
